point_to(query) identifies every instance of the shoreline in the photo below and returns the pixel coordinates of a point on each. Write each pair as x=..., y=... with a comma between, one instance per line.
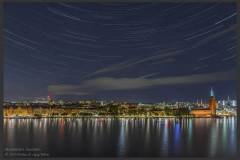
x=116, y=117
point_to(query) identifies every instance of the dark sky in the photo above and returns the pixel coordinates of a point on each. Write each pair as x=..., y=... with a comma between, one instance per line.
x=145, y=52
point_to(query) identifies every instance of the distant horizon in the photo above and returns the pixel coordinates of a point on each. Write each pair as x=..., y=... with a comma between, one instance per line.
x=203, y=100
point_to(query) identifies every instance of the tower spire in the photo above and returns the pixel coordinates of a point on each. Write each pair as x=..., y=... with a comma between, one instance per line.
x=211, y=92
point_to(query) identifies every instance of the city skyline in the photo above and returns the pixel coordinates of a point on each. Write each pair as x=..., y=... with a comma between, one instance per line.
x=125, y=52
x=45, y=100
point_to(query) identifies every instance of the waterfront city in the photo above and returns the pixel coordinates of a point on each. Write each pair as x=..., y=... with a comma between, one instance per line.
x=47, y=107
x=120, y=80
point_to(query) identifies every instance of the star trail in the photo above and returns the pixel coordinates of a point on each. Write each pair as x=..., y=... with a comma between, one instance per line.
x=140, y=52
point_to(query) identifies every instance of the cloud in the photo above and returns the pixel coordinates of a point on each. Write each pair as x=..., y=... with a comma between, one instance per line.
x=117, y=84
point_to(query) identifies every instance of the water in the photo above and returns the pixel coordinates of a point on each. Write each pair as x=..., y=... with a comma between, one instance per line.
x=132, y=137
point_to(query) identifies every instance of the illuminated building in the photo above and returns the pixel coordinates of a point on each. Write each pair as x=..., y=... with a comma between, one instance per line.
x=40, y=100
x=234, y=103
x=61, y=102
x=212, y=103
x=210, y=111
x=50, y=101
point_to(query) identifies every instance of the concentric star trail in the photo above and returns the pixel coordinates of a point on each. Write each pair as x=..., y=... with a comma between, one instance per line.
x=114, y=45
x=226, y=18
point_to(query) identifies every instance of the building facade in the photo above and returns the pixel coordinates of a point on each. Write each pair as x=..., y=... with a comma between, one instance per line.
x=210, y=111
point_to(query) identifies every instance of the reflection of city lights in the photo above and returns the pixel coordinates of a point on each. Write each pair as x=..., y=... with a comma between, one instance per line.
x=162, y=133
x=121, y=141
x=165, y=142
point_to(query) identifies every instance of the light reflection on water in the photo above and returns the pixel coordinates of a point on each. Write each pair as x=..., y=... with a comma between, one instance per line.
x=132, y=137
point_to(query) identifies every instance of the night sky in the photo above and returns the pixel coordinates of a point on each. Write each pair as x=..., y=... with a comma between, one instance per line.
x=145, y=52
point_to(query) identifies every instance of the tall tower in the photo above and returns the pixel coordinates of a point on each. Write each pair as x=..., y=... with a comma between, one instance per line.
x=50, y=100
x=212, y=103
x=50, y=103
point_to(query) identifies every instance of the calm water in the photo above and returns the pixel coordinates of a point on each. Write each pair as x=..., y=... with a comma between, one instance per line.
x=109, y=137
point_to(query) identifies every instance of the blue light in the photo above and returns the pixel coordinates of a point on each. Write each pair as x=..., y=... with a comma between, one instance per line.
x=211, y=92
